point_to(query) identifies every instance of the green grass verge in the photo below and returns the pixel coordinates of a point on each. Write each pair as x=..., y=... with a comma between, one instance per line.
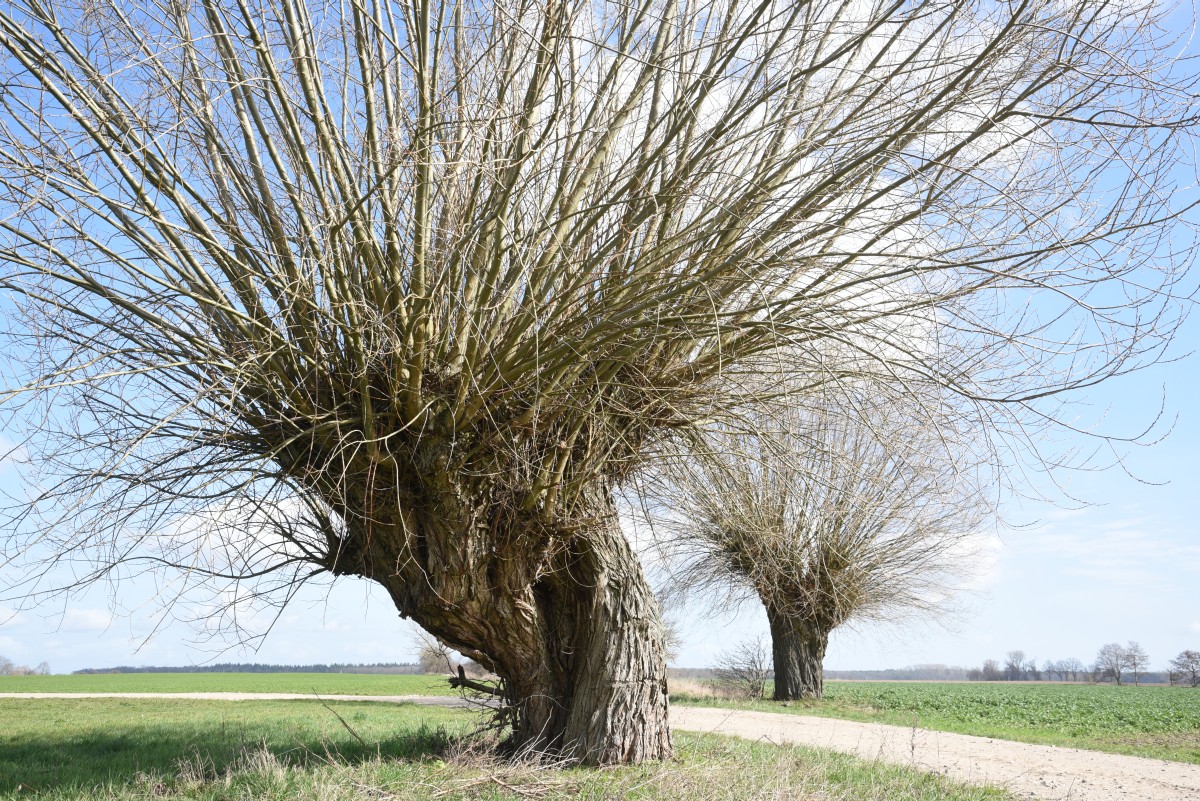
x=319, y=683
x=121, y=750
x=71, y=745
x=1159, y=722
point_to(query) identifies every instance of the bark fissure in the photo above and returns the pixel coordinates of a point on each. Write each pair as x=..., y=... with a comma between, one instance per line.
x=560, y=611
x=798, y=653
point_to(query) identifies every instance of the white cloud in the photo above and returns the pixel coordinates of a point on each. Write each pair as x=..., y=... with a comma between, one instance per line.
x=1195, y=627
x=1118, y=551
x=86, y=620
x=981, y=551
x=1061, y=514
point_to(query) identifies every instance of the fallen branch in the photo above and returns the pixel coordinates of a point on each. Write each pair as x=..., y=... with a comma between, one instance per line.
x=461, y=681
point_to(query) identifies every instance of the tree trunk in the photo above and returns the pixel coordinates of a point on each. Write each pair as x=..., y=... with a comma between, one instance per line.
x=798, y=650
x=603, y=696
x=559, y=609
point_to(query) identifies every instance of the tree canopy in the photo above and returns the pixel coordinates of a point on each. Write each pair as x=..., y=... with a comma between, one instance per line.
x=853, y=507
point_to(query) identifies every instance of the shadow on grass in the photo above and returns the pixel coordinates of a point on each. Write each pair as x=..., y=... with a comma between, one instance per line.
x=69, y=753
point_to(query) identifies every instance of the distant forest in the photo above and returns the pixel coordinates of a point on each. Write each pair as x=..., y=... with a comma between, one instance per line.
x=250, y=667
x=911, y=673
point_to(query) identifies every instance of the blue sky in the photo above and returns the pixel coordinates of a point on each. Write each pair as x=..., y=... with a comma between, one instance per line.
x=1125, y=567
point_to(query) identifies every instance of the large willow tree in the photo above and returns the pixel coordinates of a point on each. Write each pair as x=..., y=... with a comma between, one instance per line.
x=400, y=290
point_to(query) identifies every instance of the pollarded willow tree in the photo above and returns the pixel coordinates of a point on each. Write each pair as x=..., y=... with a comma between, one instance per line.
x=401, y=290
x=859, y=507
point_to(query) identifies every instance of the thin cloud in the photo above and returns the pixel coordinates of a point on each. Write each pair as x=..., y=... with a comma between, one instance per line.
x=86, y=620
x=1127, y=551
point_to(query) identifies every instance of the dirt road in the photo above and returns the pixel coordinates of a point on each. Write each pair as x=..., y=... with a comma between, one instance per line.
x=1040, y=772
x=1029, y=771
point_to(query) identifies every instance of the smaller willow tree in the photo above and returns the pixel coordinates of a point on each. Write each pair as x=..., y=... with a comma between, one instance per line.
x=828, y=515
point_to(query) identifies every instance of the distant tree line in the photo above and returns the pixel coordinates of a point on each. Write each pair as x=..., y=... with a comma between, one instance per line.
x=1065, y=670
x=1015, y=668
x=9, y=668
x=910, y=673
x=1114, y=663
x=245, y=667
x=933, y=672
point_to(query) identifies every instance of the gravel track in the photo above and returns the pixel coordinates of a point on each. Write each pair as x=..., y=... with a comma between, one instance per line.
x=1030, y=771
x=1040, y=772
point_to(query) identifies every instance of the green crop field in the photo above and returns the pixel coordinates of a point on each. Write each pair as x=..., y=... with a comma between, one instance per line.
x=186, y=750
x=317, y=683
x=1161, y=722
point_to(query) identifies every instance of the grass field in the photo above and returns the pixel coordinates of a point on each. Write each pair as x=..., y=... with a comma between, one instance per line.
x=318, y=683
x=1158, y=722
x=121, y=750
x=1162, y=722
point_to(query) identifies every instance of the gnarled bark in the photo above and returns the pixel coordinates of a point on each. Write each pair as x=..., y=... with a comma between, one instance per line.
x=798, y=650
x=558, y=609
x=603, y=696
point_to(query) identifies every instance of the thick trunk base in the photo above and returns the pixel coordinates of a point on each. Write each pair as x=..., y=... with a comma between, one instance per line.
x=565, y=617
x=798, y=651
x=602, y=699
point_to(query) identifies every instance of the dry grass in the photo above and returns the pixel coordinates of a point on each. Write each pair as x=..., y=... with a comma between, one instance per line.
x=708, y=768
x=692, y=688
x=700, y=689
